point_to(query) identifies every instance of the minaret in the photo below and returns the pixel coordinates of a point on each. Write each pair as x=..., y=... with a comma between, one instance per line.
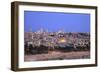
x=31, y=36
x=41, y=30
x=30, y=42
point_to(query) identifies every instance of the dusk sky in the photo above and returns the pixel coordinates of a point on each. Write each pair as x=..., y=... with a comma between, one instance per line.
x=55, y=21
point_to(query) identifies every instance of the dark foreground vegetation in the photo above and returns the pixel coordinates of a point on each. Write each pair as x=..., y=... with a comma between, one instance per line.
x=43, y=49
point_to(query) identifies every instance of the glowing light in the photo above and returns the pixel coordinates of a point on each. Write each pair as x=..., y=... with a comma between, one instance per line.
x=62, y=40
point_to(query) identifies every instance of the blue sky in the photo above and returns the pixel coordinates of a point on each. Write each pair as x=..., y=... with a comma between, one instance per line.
x=55, y=21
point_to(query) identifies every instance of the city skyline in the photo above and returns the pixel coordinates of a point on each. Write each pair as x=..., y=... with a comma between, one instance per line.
x=55, y=21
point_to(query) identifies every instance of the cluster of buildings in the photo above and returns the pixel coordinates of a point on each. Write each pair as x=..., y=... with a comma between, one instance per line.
x=56, y=39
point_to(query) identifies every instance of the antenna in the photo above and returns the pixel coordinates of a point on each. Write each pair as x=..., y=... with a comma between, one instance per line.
x=30, y=29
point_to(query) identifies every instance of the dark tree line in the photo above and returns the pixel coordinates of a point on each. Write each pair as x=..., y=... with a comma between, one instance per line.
x=29, y=49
